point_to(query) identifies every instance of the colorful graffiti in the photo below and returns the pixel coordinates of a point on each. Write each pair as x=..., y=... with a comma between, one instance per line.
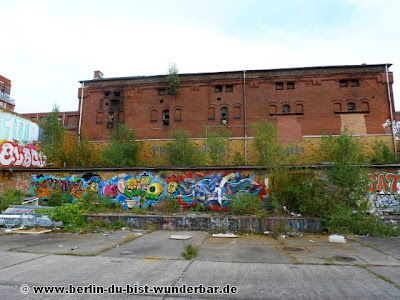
x=15, y=128
x=384, y=191
x=213, y=191
x=26, y=155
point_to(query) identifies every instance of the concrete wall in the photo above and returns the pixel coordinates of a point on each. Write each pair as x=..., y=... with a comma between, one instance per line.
x=211, y=187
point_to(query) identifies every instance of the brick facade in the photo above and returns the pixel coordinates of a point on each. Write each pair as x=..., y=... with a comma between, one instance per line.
x=301, y=102
x=6, y=101
x=69, y=119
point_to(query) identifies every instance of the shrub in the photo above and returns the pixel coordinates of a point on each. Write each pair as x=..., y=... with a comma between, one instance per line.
x=69, y=214
x=217, y=143
x=246, y=204
x=168, y=205
x=10, y=197
x=382, y=153
x=180, y=151
x=238, y=159
x=59, y=197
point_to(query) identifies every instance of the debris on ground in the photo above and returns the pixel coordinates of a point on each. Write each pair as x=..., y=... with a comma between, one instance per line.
x=336, y=238
x=180, y=237
x=31, y=231
x=224, y=235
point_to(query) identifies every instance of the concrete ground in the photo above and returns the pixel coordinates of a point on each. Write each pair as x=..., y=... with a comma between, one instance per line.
x=261, y=267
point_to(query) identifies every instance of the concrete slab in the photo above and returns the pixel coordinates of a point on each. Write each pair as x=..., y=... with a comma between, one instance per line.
x=246, y=248
x=390, y=246
x=7, y=260
x=66, y=243
x=391, y=273
x=280, y=281
x=157, y=245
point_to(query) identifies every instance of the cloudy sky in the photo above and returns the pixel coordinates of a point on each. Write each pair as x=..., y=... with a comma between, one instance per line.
x=49, y=45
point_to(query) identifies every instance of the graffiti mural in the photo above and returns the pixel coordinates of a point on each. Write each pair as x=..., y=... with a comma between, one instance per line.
x=144, y=190
x=25, y=155
x=15, y=128
x=384, y=191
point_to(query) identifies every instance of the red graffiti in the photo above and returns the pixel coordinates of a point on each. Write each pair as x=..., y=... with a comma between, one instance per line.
x=20, y=156
x=110, y=191
x=386, y=183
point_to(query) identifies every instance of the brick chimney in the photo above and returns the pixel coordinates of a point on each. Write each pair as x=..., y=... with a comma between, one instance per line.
x=98, y=75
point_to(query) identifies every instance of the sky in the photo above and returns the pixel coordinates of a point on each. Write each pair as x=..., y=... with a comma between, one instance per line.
x=48, y=46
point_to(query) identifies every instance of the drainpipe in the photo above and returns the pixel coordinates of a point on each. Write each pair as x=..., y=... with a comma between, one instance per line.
x=80, y=123
x=245, y=117
x=391, y=110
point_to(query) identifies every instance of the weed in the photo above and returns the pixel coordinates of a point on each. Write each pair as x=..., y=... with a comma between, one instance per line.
x=278, y=228
x=190, y=251
x=382, y=153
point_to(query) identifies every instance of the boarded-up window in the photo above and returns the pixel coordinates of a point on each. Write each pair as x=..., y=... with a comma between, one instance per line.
x=177, y=114
x=211, y=113
x=99, y=117
x=272, y=109
x=365, y=106
x=337, y=107
x=237, y=112
x=153, y=115
x=299, y=108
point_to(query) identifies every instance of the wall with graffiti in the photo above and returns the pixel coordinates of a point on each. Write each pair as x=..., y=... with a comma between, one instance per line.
x=18, y=142
x=145, y=189
x=384, y=191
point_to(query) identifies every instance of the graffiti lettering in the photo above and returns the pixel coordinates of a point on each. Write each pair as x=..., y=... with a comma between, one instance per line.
x=25, y=156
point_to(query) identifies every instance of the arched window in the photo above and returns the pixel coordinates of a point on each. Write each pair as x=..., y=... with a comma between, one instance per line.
x=110, y=119
x=224, y=113
x=153, y=115
x=299, y=108
x=211, y=113
x=121, y=117
x=273, y=109
x=364, y=106
x=165, y=117
x=99, y=117
x=337, y=107
x=237, y=112
x=286, y=108
x=177, y=114
x=351, y=106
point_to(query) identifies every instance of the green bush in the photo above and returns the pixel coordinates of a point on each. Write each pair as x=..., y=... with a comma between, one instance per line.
x=59, y=197
x=246, y=204
x=190, y=251
x=11, y=197
x=382, y=153
x=69, y=214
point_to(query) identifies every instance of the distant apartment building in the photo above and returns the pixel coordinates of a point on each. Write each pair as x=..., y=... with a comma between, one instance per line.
x=6, y=101
x=69, y=119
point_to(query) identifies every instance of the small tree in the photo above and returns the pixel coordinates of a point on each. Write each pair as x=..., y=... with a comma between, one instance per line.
x=382, y=153
x=217, y=143
x=86, y=153
x=267, y=144
x=181, y=151
x=123, y=149
x=52, y=137
x=173, y=80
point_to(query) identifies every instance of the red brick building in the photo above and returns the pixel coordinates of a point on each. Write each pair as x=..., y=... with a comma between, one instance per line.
x=69, y=119
x=299, y=101
x=6, y=101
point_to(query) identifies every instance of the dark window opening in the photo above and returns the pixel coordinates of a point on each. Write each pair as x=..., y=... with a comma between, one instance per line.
x=106, y=103
x=165, y=117
x=343, y=83
x=286, y=109
x=218, y=89
x=229, y=88
x=161, y=101
x=110, y=120
x=117, y=93
x=290, y=85
x=355, y=83
x=224, y=113
x=121, y=117
x=107, y=93
x=219, y=98
x=279, y=85
x=351, y=106
x=161, y=91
